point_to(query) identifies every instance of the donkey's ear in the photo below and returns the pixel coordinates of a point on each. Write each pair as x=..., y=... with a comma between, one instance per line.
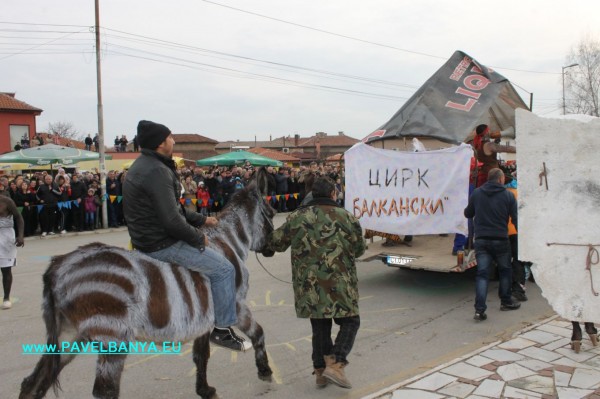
x=261, y=180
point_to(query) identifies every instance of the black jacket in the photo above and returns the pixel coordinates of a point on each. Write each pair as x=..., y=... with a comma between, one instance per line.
x=78, y=190
x=281, y=183
x=48, y=194
x=154, y=215
x=491, y=205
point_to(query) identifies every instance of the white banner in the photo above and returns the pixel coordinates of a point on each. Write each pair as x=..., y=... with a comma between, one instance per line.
x=408, y=193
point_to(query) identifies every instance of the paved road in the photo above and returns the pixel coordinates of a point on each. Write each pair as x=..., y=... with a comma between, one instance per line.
x=411, y=321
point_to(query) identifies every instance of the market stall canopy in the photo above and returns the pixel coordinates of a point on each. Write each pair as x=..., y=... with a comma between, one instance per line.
x=461, y=95
x=49, y=154
x=238, y=158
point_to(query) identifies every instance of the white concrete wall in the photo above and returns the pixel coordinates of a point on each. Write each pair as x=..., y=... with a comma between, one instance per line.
x=567, y=213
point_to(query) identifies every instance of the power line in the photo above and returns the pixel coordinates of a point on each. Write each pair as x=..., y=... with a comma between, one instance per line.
x=38, y=24
x=36, y=46
x=254, y=76
x=321, y=71
x=358, y=39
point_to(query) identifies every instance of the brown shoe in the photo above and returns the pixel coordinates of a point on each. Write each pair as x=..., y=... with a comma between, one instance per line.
x=321, y=381
x=334, y=372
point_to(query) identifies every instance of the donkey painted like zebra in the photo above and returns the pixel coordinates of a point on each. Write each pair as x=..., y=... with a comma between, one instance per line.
x=100, y=293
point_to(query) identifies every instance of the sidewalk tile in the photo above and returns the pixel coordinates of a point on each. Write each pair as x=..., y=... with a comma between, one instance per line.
x=516, y=393
x=561, y=379
x=560, y=323
x=478, y=361
x=541, y=337
x=594, y=362
x=502, y=355
x=535, y=365
x=466, y=371
x=458, y=389
x=535, y=383
x=564, y=332
x=490, y=388
x=513, y=371
x=433, y=382
x=540, y=354
x=516, y=343
x=565, y=361
x=580, y=357
x=415, y=394
x=572, y=393
x=557, y=344
x=585, y=378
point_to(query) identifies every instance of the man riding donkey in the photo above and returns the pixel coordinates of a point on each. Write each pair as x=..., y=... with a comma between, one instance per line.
x=163, y=229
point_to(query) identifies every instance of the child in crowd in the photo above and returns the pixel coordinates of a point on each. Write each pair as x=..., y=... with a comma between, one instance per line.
x=91, y=203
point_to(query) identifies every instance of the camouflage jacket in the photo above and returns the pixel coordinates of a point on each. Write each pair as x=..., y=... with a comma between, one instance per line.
x=325, y=241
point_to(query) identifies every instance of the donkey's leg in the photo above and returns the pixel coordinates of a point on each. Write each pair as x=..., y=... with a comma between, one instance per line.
x=248, y=325
x=48, y=368
x=201, y=355
x=43, y=376
x=108, y=376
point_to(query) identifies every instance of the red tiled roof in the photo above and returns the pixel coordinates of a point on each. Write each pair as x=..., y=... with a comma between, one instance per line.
x=328, y=141
x=304, y=155
x=278, y=156
x=8, y=102
x=192, y=138
x=335, y=157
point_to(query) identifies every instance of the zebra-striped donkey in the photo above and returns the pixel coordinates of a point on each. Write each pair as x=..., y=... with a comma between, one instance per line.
x=107, y=294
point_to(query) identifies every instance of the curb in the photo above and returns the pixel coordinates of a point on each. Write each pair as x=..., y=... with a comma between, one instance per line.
x=76, y=233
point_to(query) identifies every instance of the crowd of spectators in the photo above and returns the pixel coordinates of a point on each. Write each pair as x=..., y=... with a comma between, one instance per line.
x=72, y=202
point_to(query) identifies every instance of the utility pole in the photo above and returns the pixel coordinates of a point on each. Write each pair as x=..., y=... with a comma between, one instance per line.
x=103, y=195
x=563, y=86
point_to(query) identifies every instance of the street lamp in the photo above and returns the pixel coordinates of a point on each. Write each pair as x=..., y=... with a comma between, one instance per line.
x=563, y=85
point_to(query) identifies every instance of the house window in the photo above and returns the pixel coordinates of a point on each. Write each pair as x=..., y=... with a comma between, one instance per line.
x=17, y=133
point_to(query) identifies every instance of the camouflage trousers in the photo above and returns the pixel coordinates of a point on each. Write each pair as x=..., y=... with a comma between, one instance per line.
x=322, y=343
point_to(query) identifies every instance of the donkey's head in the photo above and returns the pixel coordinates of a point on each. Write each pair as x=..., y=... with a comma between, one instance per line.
x=255, y=210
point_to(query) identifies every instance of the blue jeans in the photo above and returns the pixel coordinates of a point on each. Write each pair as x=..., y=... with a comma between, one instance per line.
x=213, y=265
x=485, y=252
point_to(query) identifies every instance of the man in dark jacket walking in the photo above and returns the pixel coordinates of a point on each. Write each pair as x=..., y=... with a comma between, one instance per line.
x=490, y=206
x=168, y=232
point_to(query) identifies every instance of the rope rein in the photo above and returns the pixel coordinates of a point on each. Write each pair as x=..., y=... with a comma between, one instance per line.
x=268, y=272
x=592, y=258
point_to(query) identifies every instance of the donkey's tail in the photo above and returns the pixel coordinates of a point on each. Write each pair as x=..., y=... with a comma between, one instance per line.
x=53, y=328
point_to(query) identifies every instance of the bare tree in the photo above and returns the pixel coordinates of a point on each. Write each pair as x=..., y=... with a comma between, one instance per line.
x=64, y=129
x=582, y=83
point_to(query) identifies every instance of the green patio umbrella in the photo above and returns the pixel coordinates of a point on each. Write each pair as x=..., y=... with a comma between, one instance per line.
x=238, y=158
x=49, y=154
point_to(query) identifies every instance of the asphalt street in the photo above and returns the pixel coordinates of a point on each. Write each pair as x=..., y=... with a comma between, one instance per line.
x=411, y=321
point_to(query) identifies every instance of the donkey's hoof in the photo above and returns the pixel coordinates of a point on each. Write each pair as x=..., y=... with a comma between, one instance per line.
x=266, y=376
x=207, y=393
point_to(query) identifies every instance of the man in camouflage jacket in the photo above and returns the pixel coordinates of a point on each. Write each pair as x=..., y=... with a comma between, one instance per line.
x=325, y=241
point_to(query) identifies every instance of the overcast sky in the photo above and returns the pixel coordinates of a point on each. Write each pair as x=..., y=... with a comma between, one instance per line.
x=197, y=66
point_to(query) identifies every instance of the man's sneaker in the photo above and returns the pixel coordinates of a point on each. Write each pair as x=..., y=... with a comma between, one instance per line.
x=44, y=234
x=520, y=296
x=480, y=316
x=52, y=233
x=7, y=304
x=63, y=232
x=510, y=306
x=227, y=338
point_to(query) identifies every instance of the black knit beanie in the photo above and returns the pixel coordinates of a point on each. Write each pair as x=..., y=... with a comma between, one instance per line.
x=150, y=135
